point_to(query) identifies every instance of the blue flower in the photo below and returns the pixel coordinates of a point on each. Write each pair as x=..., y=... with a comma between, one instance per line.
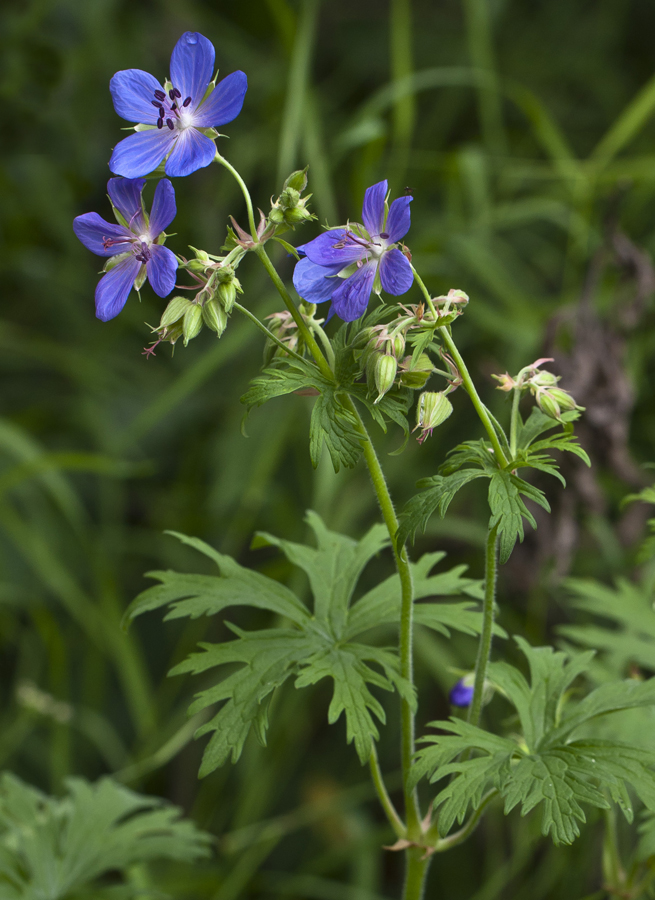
x=358, y=254
x=462, y=693
x=134, y=245
x=177, y=117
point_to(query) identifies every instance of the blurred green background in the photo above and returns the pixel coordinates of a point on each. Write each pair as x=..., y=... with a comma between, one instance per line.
x=525, y=132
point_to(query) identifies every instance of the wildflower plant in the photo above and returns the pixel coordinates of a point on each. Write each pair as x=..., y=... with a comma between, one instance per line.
x=381, y=364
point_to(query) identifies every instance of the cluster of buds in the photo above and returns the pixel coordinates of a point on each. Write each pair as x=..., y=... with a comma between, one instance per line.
x=551, y=400
x=211, y=307
x=290, y=208
x=283, y=326
x=383, y=346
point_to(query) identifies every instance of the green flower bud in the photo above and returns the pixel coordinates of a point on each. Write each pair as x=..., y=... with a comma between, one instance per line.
x=214, y=316
x=174, y=311
x=432, y=409
x=192, y=322
x=385, y=374
x=398, y=345
x=297, y=181
x=563, y=399
x=544, y=379
x=227, y=294
x=549, y=405
x=224, y=273
x=277, y=216
x=297, y=215
x=289, y=198
x=417, y=376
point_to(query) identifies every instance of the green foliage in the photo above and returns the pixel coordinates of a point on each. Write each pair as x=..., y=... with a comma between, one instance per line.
x=58, y=848
x=475, y=459
x=647, y=549
x=315, y=645
x=546, y=766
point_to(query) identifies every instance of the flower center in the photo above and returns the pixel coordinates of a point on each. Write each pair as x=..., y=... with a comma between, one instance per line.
x=373, y=247
x=172, y=113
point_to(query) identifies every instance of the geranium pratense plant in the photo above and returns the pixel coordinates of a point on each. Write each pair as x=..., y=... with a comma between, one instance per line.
x=134, y=246
x=374, y=363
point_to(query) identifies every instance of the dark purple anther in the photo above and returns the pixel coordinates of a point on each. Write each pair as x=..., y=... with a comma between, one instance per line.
x=169, y=122
x=160, y=123
x=173, y=107
x=176, y=94
x=384, y=235
x=156, y=103
x=160, y=95
x=161, y=112
x=187, y=101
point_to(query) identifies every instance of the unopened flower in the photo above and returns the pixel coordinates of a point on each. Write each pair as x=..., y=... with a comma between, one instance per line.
x=358, y=254
x=462, y=693
x=134, y=248
x=172, y=121
x=432, y=410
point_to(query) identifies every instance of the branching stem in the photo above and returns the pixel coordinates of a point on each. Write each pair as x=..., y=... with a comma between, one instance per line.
x=383, y=795
x=486, y=636
x=269, y=334
x=244, y=190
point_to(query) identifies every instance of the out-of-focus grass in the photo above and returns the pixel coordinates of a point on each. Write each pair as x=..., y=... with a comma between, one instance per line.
x=515, y=126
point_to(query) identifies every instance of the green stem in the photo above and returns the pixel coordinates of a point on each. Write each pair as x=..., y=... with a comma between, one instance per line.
x=486, y=636
x=458, y=837
x=514, y=426
x=415, y=873
x=269, y=334
x=309, y=338
x=412, y=811
x=244, y=190
x=325, y=340
x=383, y=795
x=612, y=866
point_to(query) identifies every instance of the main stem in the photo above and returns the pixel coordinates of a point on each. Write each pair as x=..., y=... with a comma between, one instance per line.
x=488, y=612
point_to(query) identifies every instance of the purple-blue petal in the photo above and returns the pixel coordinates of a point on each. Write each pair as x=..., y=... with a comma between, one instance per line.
x=93, y=231
x=161, y=269
x=323, y=252
x=373, y=209
x=140, y=153
x=192, y=66
x=461, y=694
x=163, y=208
x=113, y=288
x=350, y=299
x=192, y=151
x=224, y=103
x=395, y=272
x=398, y=220
x=125, y=194
x=315, y=284
x=132, y=91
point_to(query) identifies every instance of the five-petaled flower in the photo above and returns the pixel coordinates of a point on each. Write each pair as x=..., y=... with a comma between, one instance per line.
x=176, y=116
x=135, y=245
x=357, y=254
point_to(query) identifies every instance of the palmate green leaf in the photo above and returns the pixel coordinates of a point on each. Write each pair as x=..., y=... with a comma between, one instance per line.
x=312, y=646
x=546, y=766
x=538, y=423
x=508, y=509
x=334, y=425
x=436, y=494
x=51, y=847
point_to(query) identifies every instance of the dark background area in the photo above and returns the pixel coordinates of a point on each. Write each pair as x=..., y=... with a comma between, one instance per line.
x=533, y=192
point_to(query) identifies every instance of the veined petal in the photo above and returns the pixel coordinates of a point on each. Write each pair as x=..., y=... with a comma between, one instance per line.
x=224, y=103
x=163, y=208
x=395, y=272
x=125, y=194
x=315, y=284
x=373, y=209
x=398, y=220
x=140, y=153
x=350, y=299
x=192, y=66
x=132, y=91
x=114, y=287
x=192, y=151
x=323, y=252
x=161, y=269
x=94, y=233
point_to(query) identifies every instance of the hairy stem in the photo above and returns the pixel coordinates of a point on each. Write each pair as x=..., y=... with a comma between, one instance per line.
x=383, y=796
x=412, y=812
x=244, y=190
x=269, y=334
x=484, y=647
x=514, y=425
x=309, y=338
x=415, y=873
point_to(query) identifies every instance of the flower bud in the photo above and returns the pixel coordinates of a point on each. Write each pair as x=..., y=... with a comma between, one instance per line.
x=227, y=294
x=385, y=374
x=214, y=316
x=544, y=379
x=174, y=311
x=461, y=694
x=289, y=198
x=224, y=273
x=432, y=409
x=548, y=405
x=563, y=399
x=506, y=382
x=297, y=181
x=192, y=322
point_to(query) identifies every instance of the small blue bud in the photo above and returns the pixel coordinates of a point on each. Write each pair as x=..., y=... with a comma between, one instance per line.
x=462, y=693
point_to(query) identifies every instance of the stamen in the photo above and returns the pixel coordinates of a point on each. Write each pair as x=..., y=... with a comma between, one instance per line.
x=174, y=107
x=383, y=234
x=160, y=123
x=156, y=103
x=169, y=122
x=160, y=95
x=176, y=94
x=187, y=101
x=161, y=112
x=171, y=93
